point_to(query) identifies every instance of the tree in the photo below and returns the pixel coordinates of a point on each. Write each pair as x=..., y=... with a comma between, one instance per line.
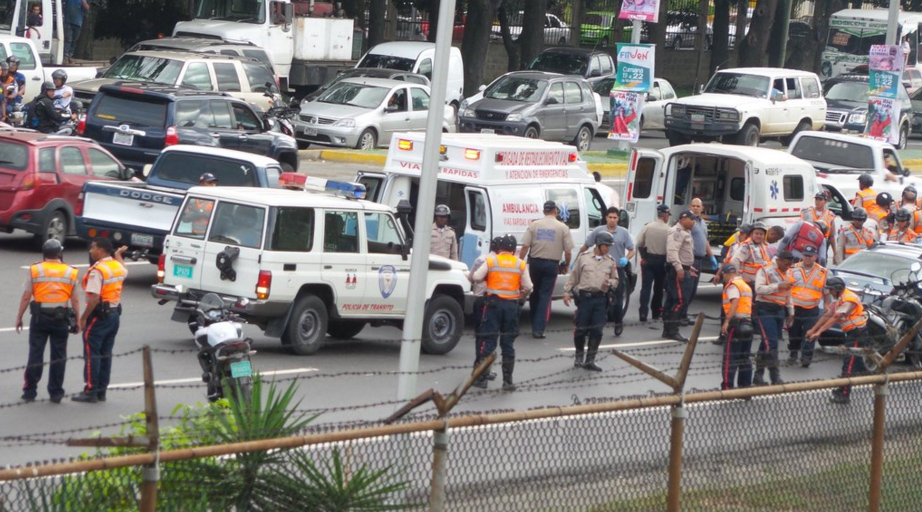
x=154, y=17
x=531, y=40
x=511, y=46
x=720, y=48
x=476, y=42
x=753, y=51
x=822, y=11
x=376, y=16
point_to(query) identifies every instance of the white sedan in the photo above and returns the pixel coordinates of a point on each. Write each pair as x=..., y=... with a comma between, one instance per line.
x=658, y=97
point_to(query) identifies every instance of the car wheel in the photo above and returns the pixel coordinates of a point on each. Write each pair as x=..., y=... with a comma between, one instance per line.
x=748, y=136
x=345, y=330
x=531, y=132
x=307, y=326
x=904, y=136
x=54, y=228
x=303, y=145
x=801, y=127
x=583, y=138
x=604, y=43
x=675, y=138
x=443, y=325
x=367, y=140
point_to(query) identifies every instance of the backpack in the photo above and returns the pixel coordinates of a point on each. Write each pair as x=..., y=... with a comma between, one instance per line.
x=32, y=120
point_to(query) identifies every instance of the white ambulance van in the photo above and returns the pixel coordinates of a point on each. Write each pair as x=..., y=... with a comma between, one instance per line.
x=494, y=185
x=737, y=184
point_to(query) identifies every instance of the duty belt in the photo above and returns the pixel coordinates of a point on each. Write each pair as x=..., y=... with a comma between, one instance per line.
x=591, y=295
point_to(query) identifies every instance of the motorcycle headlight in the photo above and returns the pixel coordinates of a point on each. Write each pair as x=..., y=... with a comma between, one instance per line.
x=514, y=117
x=858, y=118
x=344, y=123
x=468, y=112
x=676, y=110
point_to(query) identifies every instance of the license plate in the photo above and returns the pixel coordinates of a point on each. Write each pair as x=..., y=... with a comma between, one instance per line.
x=183, y=271
x=697, y=118
x=241, y=369
x=487, y=130
x=122, y=139
x=142, y=240
x=310, y=131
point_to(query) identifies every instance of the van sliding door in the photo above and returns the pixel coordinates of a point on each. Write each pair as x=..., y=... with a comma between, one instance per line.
x=476, y=238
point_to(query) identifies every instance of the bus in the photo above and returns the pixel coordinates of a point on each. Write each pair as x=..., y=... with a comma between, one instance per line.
x=853, y=31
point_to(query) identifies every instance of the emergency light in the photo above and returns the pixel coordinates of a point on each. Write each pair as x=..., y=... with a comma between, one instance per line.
x=345, y=189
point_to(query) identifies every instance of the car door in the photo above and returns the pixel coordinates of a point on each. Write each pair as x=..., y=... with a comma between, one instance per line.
x=776, y=116
x=229, y=80
x=235, y=226
x=578, y=108
x=476, y=238
x=214, y=118
x=798, y=106
x=184, y=250
x=396, y=115
x=29, y=67
x=74, y=173
x=252, y=136
x=343, y=263
x=102, y=165
x=554, y=113
x=419, y=109
x=388, y=270
x=644, y=188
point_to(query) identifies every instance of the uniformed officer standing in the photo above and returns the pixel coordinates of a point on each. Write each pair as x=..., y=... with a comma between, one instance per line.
x=846, y=310
x=100, y=319
x=545, y=242
x=51, y=287
x=479, y=289
x=820, y=213
x=592, y=276
x=680, y=276
x=622, y=250
x=752, y=254
x=807, y=292
x=506, y=281
x=444, y=242
x=702, y=243
x=736, y=328
x=903, y=231
x=773, y=311
x=883, y=212
x=855, y=237
x=865, y=197
x=651, y=243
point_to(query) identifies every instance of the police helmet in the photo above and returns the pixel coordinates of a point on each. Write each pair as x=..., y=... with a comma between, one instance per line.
x=823, y=227
x=604, y=238
x=911, y=190
x=4, y=66
x=495, y=243
x=835, y=283
x=758, y=225
x=884, y=199
x=866, y=180
x=12, y=59
x=860, y=214
x=746, y=229
x=442, y=211
x=59, y=74
x=46, y=86
x=508, y=243
x=52, y=248
x=903, y=215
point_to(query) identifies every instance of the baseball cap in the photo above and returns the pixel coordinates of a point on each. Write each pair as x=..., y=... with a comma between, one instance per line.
x=207, y=177
x=821, y=195
x=688, y=214
x=808, y=251
x=550, y=205
x=728, y=268
x=785, y=255
x=662, y=209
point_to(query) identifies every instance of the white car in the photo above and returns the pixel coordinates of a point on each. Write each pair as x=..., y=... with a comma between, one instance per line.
x=556, y=32
x=658, y=97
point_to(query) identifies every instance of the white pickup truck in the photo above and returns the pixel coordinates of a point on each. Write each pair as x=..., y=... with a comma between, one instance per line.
x=31, y=65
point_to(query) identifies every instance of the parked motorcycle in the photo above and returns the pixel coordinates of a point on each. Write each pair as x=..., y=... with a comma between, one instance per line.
x=280, y=119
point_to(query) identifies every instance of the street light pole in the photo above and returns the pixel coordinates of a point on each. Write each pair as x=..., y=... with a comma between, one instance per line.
x=893, y=18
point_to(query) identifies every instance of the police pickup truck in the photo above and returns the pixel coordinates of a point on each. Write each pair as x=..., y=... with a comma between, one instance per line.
x=304, y=265
x=140, y=214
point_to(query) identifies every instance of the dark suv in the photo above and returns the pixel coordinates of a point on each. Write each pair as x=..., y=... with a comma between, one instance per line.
x=847, y=106
x=135, y=121
x=590, y=64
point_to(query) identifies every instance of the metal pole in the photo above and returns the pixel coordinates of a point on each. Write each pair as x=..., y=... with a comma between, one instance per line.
x=881, y=392
x=425, y=204
x=674, y=495
x=439, y=462
x=636, y=28
x=150, y=474
x=893, y=18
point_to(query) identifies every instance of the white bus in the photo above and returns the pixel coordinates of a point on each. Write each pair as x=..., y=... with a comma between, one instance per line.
x=853, y=31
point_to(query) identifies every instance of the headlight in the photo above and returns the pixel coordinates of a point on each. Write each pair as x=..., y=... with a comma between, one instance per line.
x=468, y=112
x=859, y=118
x=514, y=117
x=728, y=114
x=463, y=105
x=344, y=123
x=676, y=110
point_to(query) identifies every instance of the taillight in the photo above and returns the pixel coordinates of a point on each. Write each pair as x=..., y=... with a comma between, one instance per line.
x=263, y=284
x=81, y=124
x=28, y=182
x=161, y=267
x=172, y=137
x=78, y=207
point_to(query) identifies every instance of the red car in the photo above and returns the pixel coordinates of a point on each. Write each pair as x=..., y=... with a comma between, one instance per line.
x=41, y=176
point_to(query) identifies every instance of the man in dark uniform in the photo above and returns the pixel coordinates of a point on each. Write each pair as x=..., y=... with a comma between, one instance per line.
x=680, y=277
x=592, y=276
x=651, y=243
x=546, y=242
x=51, y=284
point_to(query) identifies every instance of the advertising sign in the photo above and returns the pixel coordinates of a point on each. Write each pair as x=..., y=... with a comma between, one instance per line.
x=642, y=10
x=885, y=65
x=883, y=116
x=626, y=109
x=635, y=67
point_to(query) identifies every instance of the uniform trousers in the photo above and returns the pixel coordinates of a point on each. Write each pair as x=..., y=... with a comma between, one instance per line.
x=678, y=293
x=500, y=321
x=43, y=327
x=589, y=320
x=543, y=275
x=736, y=365
x=853, y=364
x=653, y=281
x=98, y=341
x=804, y=320
x=770, y=321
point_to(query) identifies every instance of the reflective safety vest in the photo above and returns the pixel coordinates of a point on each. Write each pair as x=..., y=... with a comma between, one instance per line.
x=857, y=240
x=744, y=308
x=808, y=234
x=113, y=276
x=827, y=217
x=504, y=275
x=773, y=275
x=917, y=221
x=758, y=258
x=203, y=209
x=868, y=200
x=808, y=288
x=53, y=283
x=902, y=236
x=856, y=319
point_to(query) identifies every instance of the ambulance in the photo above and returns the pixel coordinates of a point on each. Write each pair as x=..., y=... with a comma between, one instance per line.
x=494, y=185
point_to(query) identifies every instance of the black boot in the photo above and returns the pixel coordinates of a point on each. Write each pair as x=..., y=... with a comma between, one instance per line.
x=508, y=366
x=758, y=376
x=578, y=360
x=774, y=370
x=481, y=381
x=590, y=355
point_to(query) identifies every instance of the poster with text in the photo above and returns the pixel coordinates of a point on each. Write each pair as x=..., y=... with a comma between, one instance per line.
x=641, y=10
x=625, y=113
x=882, y=124
x=885, y=65
x=635, y=67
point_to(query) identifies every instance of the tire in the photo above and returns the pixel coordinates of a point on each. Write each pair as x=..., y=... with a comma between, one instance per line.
x=443, y=325
x=303, y=145
x=242, y=387
x=904, y=136
x=345, y=330
x=583, y=139
x=676, y=139
x=286, y=167
x=748, y=136
x=367, y=140
x=531, y=133
x=54, y=228
x=801, y=127
x=307, y=326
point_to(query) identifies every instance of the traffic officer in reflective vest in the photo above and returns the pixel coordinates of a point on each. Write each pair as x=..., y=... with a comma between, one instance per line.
x=50, y=287
x=855, y=237
x=883, y=212
x=807, y=292
x=737, y=329
x=444, y=241
x=752, y=255
x=507, y=281
x=902, y=231
x=202, y=207
x=594, y=273
x=680, y=274
x=774, y=310
x=479, y=289
x=865, y=197
x=820, y=213
x=846, y=310
x=100, y=319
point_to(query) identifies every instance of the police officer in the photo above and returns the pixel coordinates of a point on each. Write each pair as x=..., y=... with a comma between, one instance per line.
x=702, y=246
x=820, y=213
x=621, y=251
x=100, y=319
x=855, y=237
x=752, y=254
x=802, y=234
x=909, y=198
x=865, y=197
x=773, y=311
x=201, y=208
x=478, y=289
x=50, y=286
x=680, y=276
x=809, y=280
x=545, y=242
x=902, y=231
x=444, y=241
x=651, y=243
x=736, y=328
x=846, y=310
x=592, y=276
x=506, y=282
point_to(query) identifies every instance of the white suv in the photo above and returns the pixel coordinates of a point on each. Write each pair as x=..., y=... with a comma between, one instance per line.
x=310, y=264
x=745, y=105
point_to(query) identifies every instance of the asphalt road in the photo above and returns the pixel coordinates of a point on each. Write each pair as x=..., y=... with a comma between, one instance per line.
x=344, y=382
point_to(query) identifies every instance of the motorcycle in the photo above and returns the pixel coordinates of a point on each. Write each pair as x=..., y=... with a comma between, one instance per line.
x=280, y=119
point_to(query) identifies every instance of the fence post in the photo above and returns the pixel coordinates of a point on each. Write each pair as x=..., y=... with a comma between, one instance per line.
x=439, y=459
x=675, y=458
x=881, y=392
x=150, y=474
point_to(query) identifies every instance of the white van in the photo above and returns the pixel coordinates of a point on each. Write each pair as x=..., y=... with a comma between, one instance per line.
x=494, y=185
x=737, y=184
x=417, y=57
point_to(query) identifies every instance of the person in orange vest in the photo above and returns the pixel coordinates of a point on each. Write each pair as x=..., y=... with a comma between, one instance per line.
x=902, y=232
x=202, y=207
x=592, y=276
x=847, y=311
x=865, y=197
x=736, y=328
x=855, y=237
x=883, y=212
x=909, y=198
x=809, y=279
x=101, y=317
x=507, y=281
x=819, y=213
x=49, y=294
x=752, y=255
x=773, y=311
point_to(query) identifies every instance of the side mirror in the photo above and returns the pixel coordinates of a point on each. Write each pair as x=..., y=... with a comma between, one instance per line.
x=552, y=101
x=294, y=104
x=126, y=173
x=482, y=88
x=906, y=172
x=390, y=108
x=146, y=170
x=650, y=97
x=700, y=88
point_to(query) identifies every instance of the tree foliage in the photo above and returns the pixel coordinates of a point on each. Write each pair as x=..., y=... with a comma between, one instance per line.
x=131, y=21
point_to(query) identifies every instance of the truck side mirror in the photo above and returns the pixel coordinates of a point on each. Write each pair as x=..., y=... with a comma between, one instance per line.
x=906, y=172
x=126, y=173
x=552, y=101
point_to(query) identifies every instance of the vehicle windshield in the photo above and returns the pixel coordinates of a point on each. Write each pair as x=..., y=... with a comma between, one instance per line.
x=876, y=263
x=356, y=95
x=13, y=156
x=847, y=91
x=516, y=88
x=373, y=60
x=243, y=11
x=565, y=64
x=595, y=19
x=834, y=153
x=855, y=41
x=739, y=83
x=146, y=69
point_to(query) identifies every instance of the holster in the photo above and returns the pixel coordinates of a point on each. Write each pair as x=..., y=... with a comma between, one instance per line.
x=72, y=322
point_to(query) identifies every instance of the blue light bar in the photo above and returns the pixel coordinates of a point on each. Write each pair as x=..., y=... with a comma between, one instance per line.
x=345, y=189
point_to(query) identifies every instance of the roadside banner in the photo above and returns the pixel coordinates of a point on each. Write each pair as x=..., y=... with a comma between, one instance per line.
x=626, y=109
x=882, y=116
x=885, y=64
x=635, y=67
x=641, y=10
